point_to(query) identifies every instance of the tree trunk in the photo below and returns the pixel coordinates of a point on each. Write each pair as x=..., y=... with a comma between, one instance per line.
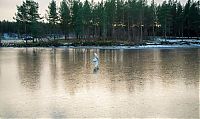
x=104, y=31
x=165, y=29
x=128, y=30
x=25, y=31
x=141, y=37
x=65, y=36
x=153, y=32
x=0, y=41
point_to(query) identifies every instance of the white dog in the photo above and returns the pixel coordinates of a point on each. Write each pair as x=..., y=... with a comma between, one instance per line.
x=96, y=61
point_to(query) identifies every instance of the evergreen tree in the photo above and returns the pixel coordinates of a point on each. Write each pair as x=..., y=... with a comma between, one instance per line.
x=179, y=21
x=110, y=9
x=119, y=20
x=193, y=19
x=152, y=17
x=52, y=16
x=87, y=17
x=28, y=14
x=65, y=17
x=77, y=18
x=186, y=20
x=164, y=17
x=110, y=19
x=22, y=15
x=99, y=20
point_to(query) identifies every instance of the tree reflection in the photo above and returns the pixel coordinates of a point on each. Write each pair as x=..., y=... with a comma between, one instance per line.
x=53, y=66
x=179, y=66
x=74, y=68
x=29, y=66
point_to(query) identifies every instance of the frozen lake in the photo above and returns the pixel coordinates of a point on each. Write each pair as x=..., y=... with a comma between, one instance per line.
x=140, y=83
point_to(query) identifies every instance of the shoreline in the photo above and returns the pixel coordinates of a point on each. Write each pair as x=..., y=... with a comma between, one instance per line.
x=119, y=47
x=134, y=47
x=105, y=44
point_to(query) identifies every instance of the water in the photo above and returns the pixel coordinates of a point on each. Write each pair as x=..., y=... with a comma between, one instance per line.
x=55, y=83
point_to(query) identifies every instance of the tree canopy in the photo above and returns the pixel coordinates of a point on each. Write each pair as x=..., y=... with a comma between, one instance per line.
x=112, y=19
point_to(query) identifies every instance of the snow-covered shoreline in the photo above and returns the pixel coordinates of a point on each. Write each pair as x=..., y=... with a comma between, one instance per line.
x=121, y=47
x=134, y=47
x=159, y=43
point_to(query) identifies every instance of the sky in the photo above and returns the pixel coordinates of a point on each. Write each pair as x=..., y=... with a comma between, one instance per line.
x=8, y=7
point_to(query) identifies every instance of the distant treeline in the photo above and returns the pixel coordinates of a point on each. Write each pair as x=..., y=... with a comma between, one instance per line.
x=109, y=19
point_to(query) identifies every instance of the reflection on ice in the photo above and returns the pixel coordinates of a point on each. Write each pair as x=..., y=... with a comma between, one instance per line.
x=55, y=83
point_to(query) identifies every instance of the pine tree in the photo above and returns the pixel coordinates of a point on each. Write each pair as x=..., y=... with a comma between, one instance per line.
x=194, y=20
x=152, y=17
x=28, y=14
x=65, y=18
x=22, y=15
x=100, y=19
x=110, y=9
x=87, y=17
x=186, y=19
x=164, y=17
x=179, y=20
x=77, y=18
x=119, y=19
x=52, y=16
x=109, y=19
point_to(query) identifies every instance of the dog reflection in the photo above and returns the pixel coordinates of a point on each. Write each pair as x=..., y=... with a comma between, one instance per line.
x=96, y=69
